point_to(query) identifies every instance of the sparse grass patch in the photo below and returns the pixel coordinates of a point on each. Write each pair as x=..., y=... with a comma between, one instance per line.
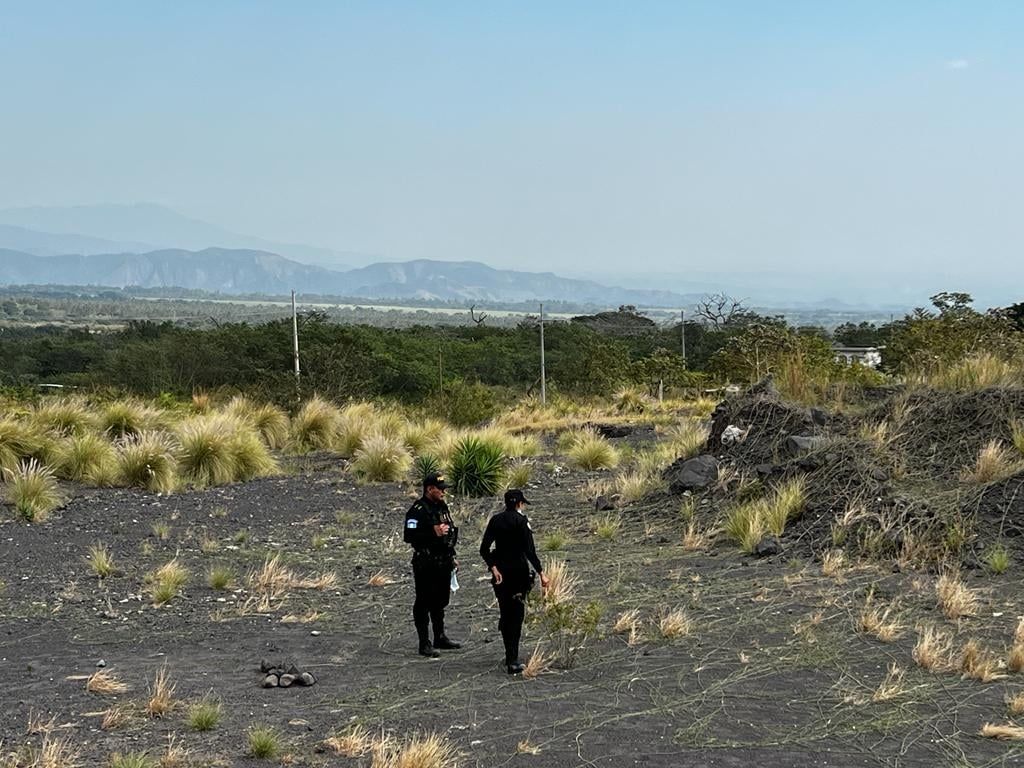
x=785, y=503
x=166, y=581
x=539, y=662
x=978, y=663
x=833, y=563
x=431, y=751
x=1015, y=658
x=695, y=540
x=524, y=747
x=997, y=559
x=32, y=490
x=744, y=524
x=205, y=714
x=382, y=458
x=220, y=577
x=555, y=541
x=1015, y=704
x=878, y=622
x=129, y=418
x=628, y=623
x=995, y=462
x=608, y=527
x=116, y=717
x=955, y=598
x=1017, y=435
x=53, y=752
x=892, y=686
x=562, y=584
x=131, y=760
x=675, y=623
x=19, y=441
x=264, y=742
x=354, y=741
x=161, y=694
x=591, y=451
x=518, y=474
x=161, y=530
x=933, y=650
x=101, y=561
x=634, y=485
x=105, y=683
x=380, y=579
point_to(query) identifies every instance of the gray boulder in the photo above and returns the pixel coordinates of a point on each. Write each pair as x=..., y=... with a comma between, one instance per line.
x=768, y=546
x=692, y=474
x=800, y=444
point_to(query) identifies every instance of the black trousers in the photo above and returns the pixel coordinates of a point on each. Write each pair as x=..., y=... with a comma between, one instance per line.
x=433, y=593
x=512, y=613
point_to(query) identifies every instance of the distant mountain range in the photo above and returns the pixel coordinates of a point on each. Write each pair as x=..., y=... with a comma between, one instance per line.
x=235, y=271
x=138, y=228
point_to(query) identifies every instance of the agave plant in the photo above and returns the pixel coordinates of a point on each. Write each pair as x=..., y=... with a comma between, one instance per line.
x=477, y=467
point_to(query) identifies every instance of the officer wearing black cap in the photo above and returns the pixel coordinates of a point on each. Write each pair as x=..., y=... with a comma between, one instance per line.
x=509, y=551
x=430, y=530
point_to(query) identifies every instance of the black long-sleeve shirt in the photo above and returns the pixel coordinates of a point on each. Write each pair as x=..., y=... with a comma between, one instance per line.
x=513, y=550
x=419, y=529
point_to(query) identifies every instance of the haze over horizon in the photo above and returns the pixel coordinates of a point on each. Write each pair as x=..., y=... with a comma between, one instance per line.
x=588, y=139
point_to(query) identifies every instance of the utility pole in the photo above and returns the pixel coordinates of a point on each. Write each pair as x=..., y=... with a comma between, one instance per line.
x=543, y=372
x=682, y=332
x=295, y=339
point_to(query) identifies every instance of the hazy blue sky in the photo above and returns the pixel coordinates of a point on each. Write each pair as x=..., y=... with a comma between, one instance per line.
x=562, y=135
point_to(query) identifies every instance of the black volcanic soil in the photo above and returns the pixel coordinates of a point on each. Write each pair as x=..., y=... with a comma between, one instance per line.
x=774, y=672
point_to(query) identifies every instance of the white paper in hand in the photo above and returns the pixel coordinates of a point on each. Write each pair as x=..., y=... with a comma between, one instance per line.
x=455, y=581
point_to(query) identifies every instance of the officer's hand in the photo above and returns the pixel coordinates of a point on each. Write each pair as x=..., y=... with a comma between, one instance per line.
x=497, y=574
x=544, y=581
x=441, y=529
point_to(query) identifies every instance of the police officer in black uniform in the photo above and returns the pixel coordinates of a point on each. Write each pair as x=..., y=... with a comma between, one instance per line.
x=510, y=535
x=430, y=530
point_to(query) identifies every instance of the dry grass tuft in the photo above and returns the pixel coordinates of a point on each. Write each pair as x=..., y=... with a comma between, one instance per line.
x=32, y=490
x=166, y=581
x=354, y=741
x=1015, y=658
x=891, y=686
x=978, y=663
x=995, y=462
x=955, y=598
x=695, y=540
x=524, y=747
x=161, y=694
x=380, y=579
x=833, y=563
x=877, y=621
x=116, y=717
x=538, y=663
x=562, y=584
x=101, y=561
x=1006, y=732
x=590, y=451
x=627, y=622
x=1015, y=704
x=676, y=623
x=431, y=751
x=105, y=682
x=53, y=752
x=933, y=650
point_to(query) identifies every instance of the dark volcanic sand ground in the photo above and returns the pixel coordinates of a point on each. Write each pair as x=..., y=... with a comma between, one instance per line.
x=745, y=689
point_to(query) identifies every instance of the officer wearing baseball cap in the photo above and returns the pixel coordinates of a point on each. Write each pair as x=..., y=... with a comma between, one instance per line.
x=509, y=551
x=432, y=533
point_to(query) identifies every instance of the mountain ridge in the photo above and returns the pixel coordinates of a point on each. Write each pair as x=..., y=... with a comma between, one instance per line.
x=238, y=271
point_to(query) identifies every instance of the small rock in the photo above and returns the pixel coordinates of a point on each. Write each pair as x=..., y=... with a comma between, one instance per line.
x=306, y=678
x=819, y=416
x=603, y=504
x=271, y=681
x=797, y=444
x=315, y=633
x=286, y=680
x=879, y=474
x=768, y=546
x=101, y=663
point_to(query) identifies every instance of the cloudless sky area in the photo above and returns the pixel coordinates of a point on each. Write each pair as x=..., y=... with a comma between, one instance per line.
x=807, y=137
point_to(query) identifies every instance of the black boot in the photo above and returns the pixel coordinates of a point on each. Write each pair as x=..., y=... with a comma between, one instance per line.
x=426, y=649
x=516, y=667
x=445, y=643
